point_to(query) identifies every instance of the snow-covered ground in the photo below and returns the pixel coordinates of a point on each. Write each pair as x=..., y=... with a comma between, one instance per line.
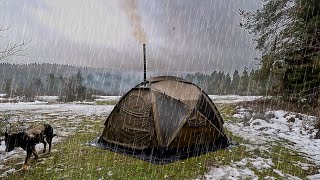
x=232, y=98
x=68, y=108
x=65, y=119
x=108, y=98
x=293, y=130
x=296, y=128
x=239, y=170
x=47, y=98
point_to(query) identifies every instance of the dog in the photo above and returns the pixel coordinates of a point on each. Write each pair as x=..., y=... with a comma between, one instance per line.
x=27, y=140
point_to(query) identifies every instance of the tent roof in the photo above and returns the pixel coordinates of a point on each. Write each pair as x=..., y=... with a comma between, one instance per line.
x=165, y=78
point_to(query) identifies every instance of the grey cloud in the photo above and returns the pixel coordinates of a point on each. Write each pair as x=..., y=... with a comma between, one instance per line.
x=208, y=31
x=184, y=35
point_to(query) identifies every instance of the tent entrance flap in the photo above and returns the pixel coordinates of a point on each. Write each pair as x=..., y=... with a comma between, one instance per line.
x=171, y=116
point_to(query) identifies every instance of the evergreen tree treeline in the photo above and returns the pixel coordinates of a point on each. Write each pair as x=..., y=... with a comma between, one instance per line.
x=53, y=76
x=67, y=83
x=67, y=88
x=221, y=83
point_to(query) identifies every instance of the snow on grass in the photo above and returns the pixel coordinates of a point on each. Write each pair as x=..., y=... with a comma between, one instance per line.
x=232, y=98
x=47, y=98
x=314, y=177
x=273, y=141
x=240, y=169
x=257, y=128
x=107, y=98
x=296, y=130
x=228, y=172
x=61, y=109
x=65, y=118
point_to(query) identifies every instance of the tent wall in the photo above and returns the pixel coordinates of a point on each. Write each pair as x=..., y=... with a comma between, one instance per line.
x=208, y=109
x=197, y=130
x=130, y=124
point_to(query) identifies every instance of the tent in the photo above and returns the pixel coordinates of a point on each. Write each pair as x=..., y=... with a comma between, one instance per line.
x=164, y=119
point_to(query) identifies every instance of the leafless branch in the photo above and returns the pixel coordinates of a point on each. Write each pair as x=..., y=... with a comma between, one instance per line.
x=2, y=29
x=12, y=49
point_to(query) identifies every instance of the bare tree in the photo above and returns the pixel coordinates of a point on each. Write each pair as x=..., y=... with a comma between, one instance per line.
x=15, y=49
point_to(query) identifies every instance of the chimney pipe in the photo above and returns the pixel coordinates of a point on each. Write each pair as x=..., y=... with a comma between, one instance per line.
x=144, y=63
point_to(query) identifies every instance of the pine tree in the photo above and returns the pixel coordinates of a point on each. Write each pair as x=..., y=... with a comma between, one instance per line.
x=235, y=82
x=51, y=84
x=227, y=84
x=288, y=35
x=244, y=81
x=8, y=87
x=212, y=83
x=80, y=90
x=37, y=86
x=252, y=86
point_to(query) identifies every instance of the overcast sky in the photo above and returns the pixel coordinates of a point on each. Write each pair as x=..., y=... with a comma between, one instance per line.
x=181, y=35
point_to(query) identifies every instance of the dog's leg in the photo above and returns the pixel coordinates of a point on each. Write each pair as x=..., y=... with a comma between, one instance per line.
x=26, y=162
x=44, y=145
x=49, y=141
x=34, y=152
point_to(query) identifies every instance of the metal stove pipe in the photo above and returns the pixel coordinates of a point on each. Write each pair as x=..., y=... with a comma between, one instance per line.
x=144, y=63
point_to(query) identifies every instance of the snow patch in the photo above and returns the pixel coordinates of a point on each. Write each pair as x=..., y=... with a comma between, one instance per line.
x=298, y=129
x=314, y=177
x=232, y=98
x=228, y=172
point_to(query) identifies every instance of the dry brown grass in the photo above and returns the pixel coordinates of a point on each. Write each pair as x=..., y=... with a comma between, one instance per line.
x=280, y=104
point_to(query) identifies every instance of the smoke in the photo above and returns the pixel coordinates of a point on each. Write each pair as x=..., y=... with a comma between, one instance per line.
x=131, y=9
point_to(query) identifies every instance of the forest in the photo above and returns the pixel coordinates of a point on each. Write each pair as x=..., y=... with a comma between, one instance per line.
x=32, y=80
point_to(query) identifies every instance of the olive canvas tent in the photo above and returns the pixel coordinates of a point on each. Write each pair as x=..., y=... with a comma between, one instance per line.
x=164, y=119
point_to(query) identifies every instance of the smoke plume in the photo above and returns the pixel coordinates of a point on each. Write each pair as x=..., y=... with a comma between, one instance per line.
x=131, y=9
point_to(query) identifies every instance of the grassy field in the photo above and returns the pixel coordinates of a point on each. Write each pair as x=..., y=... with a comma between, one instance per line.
x=74, y=159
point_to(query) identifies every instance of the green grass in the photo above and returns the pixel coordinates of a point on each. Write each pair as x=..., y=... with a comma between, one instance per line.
x=76, y=160
x=226, y=111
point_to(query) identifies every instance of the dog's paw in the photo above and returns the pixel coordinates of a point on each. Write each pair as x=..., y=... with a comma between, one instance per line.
x=25, y=167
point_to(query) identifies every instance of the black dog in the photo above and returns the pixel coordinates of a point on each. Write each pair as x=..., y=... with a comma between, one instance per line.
x=27, y=140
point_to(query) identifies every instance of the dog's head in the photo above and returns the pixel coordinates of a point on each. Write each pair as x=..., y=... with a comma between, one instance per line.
x=13, y=140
